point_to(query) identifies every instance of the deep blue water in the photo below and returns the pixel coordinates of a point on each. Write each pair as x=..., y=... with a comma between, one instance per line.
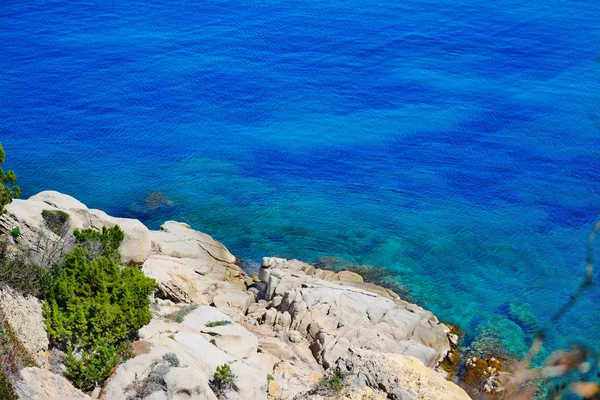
x=454, y=143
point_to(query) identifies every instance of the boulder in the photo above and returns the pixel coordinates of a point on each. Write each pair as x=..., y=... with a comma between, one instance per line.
x=189, y=280
x=179, y=240
x=135, y=247
x=276, y=348
x=58, y=200
x=231, y=338
x=38, y=241
x=399, y=376
x=234, y=301
x=188, y=383
x=24, y=315
x=41, y=384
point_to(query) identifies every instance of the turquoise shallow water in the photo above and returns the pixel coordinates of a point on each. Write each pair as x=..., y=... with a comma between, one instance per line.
x=454, y=144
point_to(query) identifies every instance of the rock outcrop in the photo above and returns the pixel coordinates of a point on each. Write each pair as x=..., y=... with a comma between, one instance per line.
x=281, y=332
x=199, y=350
x=337, y=316
x=40, y=242
x=41, y=384
x=399, y=376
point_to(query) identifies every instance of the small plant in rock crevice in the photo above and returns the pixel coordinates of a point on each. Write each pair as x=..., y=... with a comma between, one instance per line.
x=223, y=380
x=172, y=359
x=213, y=324
x=179, y=315
x=335, y=381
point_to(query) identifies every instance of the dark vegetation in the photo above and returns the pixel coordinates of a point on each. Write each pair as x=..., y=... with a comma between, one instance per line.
x=56, y=220
x=213, y=324
x=334, y=381
x=8, y=180
x=223, y=380
x=93, y=305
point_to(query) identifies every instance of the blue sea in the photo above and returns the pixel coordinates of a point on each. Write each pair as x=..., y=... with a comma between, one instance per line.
x=454, y=144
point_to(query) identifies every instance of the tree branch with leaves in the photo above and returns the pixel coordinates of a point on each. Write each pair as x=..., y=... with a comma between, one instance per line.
x=8, y=180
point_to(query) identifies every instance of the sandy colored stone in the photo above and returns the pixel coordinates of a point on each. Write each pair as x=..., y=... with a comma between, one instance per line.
x=41, y=384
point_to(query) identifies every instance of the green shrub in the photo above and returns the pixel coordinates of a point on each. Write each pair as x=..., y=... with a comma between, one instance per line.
x=212, y=324
x=8, y=188
x=93, y=305
x=23, y=277
x=179, y=315
x=6, y=389
x=172, y=359
x=16, y=231
x=101, y=244
x=150, y=388
x=213, y=342
x=335, y=381
x=270, y=378
x=55, y=220
x=223, y=380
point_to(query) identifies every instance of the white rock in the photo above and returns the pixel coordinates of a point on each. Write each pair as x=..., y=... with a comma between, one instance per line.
x=58, y=200
x=24, y=315
x=41, y=384
x=177, y=239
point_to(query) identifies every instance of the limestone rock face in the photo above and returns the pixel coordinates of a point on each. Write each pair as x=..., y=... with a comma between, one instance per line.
x=401, y=377
x=24, y=315
x=37, y=238
x=58, y=200
x=179, y=240
x=41, y=384
x=336, y=316
x=189, y=280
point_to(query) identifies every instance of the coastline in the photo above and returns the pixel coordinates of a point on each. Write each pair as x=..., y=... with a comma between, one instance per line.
x=290, y=310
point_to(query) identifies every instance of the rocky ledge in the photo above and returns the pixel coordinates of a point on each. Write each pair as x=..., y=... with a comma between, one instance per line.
x=281, y=331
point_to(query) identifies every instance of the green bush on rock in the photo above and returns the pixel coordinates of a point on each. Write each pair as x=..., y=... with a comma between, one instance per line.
x=94, y=304
x=55, y=220
x=223, y=380
x=8, y=189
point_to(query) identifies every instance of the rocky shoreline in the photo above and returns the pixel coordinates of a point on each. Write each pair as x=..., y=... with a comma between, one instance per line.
x=281, y=331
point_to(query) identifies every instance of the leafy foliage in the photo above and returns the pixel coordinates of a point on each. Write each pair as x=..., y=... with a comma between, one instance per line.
x=212, y=324
x=23, y=277
x=336, y=381
x=94, y=304
x=100, y=244
x=223, y=380
x=16, y=231
x=55, y=220
x=172, y=359
x=8, y=187
x=179, y=315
